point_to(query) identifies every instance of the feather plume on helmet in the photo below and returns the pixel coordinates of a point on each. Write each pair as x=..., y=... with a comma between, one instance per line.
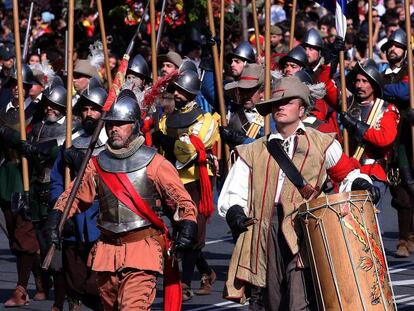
x=152, y=94
x=316, y=90
x=43, y=73
x=96, y=56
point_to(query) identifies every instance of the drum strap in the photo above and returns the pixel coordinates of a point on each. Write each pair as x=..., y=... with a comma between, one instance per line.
x=286, y=165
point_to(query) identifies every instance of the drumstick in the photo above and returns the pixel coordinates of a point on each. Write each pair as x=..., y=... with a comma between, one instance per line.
x=250, y=222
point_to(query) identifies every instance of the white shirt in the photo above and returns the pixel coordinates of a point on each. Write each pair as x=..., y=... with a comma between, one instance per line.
x=236, y=185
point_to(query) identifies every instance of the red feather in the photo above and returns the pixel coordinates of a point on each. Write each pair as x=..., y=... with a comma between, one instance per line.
x=158, y=88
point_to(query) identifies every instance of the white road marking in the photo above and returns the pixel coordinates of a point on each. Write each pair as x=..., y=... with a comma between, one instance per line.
x=218, y=241
x=403, y=283
x=221, y=304
x=408, y=267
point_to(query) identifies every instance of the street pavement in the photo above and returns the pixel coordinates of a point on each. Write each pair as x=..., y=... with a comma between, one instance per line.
x=218, y=251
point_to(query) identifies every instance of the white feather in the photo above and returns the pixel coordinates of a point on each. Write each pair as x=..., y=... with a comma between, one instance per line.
x=96, y=56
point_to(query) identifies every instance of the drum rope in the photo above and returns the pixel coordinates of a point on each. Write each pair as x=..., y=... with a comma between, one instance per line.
x=374, y=261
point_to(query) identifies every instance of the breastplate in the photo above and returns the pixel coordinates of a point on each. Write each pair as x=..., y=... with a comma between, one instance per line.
x=82, y=143
x=114, y=216
x=236, y=124
x=46, y=131
x=360, y=111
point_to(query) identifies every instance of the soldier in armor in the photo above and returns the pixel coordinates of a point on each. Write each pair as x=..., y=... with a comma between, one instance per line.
x=377, y=136
x=245, y=123
x=268, y=254
x=81, y=231
x=137, y=76
x=326, y=108
x=134, y=185
x=23, y=241
x=242, y=55
x=402, y=185
x=187, y=137
x=42, y=148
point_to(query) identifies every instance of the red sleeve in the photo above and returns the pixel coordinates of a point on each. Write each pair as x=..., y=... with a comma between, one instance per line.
x=340, y=170
x=386, y=133
x=331, y=96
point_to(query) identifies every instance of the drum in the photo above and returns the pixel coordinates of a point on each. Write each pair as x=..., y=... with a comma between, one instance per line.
x=345, y=251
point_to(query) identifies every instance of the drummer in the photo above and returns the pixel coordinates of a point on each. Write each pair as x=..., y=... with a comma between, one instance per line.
x=269, y=253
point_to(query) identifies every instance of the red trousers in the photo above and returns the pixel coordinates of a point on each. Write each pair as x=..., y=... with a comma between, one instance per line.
x=127, y=289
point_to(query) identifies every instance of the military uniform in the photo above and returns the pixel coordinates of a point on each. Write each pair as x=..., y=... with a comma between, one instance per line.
x=129, y=224
x=81, y=232
x=189, y=135
x=401, y=174
x=377, y=137
x=269, y=254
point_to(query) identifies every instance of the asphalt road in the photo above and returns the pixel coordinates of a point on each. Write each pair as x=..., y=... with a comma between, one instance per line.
x=218, y=251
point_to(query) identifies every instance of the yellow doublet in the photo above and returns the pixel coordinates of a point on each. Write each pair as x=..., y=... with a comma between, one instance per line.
x=205, y=127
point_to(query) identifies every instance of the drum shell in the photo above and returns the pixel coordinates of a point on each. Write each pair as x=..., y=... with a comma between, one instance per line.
x=345, y=253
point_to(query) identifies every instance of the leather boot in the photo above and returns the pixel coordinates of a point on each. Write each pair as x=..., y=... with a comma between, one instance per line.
x=402, y=249
x=19, y=298
x=411, y=243
x=41, y=291
x=187, y=292
x=206, y=283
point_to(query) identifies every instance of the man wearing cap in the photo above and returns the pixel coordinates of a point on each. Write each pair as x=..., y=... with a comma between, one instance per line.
x=81, y=231
x=402, y=189
x=169, y=62
x=242, y=55
x=187, y=136
x=268, y=254
x=245, y=123
x=130, y=181
x=22, y=235
x=6, y=63
x=279, y=49
x=83, y=71
x=365, y=82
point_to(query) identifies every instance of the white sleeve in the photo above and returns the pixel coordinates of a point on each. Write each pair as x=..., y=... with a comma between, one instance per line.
x=333, y=154
x=235, y=188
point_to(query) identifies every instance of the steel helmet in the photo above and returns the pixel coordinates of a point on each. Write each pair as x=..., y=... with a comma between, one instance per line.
x=313, y=39
x=398, y=37
x=139, y=67
x=243, y=51
x=27, y=75
x=187, y=65
x=125, y=108
x=56, y=95
x=95, y=96
x=304, y=76
x=188, y=81
x=296, y=55
x=370, y=71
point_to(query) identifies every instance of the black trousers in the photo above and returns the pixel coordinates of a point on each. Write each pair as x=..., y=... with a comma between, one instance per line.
x=288, y=287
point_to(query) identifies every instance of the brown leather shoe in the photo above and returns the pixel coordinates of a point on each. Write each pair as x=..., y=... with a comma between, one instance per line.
x=18, y=299
x=402, y=249
x=206, y=283
x=187, y=292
